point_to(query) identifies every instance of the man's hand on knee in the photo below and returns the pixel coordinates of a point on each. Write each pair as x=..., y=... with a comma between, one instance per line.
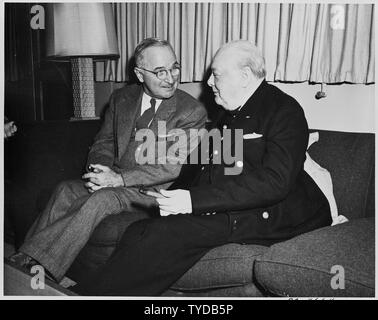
x=92, y=187
x=101, y=177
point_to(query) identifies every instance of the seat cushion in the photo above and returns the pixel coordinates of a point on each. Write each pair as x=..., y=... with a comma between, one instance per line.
x=247, y=290
x=225, y=266
x=310, y=264
x=349, y=157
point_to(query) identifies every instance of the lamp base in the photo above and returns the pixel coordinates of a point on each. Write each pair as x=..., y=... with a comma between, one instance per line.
x=83, y=88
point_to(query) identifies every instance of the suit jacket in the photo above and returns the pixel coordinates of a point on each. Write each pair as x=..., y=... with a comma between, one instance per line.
x=273, y=198
x=181, y=111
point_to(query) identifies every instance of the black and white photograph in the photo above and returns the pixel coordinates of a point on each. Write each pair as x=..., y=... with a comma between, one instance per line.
x=188, y=150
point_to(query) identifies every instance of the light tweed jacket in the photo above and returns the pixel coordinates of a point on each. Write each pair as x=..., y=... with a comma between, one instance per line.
x=181, y=111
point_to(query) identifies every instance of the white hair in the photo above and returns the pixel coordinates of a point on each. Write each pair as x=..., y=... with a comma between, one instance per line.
x=247, y=55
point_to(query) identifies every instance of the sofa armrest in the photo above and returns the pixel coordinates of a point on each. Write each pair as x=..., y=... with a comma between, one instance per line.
x=319, y=263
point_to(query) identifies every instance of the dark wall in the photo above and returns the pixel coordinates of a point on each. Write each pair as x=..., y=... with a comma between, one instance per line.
x=20, y=103
x=35, y=88
x=36, y=159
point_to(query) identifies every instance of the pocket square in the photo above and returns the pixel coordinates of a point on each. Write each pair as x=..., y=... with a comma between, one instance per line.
x=252, y=136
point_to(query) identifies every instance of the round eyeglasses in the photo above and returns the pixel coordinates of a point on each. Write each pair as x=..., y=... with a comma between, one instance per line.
x=162, y=74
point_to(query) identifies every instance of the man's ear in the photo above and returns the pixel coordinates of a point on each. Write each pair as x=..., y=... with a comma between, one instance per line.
x=139, y=75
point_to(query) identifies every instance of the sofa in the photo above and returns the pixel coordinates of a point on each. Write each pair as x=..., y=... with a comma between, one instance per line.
x=335, y=261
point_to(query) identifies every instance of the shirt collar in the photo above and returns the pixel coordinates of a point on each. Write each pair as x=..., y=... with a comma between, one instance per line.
x=146, y=102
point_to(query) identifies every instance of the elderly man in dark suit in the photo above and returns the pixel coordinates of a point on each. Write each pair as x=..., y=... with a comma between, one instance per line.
x=115, y=168
x=272, y=199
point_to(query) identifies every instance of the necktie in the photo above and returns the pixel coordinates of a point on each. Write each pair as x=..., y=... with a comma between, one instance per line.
x=145, y=119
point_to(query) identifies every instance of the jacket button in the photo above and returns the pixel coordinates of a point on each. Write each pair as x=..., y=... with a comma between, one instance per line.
x=265, y=215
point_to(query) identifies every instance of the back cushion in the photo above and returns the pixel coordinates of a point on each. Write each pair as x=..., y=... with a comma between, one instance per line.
x=349, y=157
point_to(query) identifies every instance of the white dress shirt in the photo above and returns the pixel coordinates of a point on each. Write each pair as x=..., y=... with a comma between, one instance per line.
x=146, y=104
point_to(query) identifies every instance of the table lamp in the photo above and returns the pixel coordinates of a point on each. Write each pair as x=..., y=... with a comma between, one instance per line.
x=81, y=33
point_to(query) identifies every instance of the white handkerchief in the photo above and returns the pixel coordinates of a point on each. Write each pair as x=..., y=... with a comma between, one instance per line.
x=253, y=135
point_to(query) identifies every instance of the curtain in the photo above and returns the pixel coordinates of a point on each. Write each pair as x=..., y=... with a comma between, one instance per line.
x=300, y=42
x=17, y=42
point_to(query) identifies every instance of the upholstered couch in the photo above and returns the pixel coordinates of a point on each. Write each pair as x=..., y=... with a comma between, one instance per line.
x=332, y=261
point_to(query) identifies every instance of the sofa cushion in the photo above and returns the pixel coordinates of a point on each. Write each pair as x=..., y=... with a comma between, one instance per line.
x=323, y=179
x=349, y=157
x=247, y=290
x=225, y=266
x=302, y=266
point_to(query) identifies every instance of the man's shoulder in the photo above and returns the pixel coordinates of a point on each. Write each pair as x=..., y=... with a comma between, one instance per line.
x=277, y=93
x=185, y=101
x=127, y=91
x=277, y=97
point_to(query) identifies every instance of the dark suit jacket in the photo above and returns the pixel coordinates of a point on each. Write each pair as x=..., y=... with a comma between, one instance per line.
x=181, y=111
x=273, y=198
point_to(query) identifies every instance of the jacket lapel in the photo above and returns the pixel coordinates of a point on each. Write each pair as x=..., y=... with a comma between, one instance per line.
x=127, y=112
x=253, y=103
x=165, y=110
x=248, y=111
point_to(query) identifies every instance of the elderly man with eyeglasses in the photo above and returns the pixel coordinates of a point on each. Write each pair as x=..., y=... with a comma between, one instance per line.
x=114, y=174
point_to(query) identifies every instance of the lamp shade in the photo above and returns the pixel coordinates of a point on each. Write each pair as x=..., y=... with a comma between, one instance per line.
x=80, y=30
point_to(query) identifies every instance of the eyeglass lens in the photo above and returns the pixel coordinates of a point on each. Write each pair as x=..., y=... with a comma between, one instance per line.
x=162, y=74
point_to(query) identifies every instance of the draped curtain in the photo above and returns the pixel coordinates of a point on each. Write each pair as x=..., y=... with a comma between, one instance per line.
x=300, y=42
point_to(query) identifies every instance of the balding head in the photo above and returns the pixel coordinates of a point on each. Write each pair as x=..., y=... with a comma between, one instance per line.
x=243, y=54
x=237, y=70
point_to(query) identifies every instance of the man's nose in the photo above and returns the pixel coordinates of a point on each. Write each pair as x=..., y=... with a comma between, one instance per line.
x=169, y=77
x=210, y=81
